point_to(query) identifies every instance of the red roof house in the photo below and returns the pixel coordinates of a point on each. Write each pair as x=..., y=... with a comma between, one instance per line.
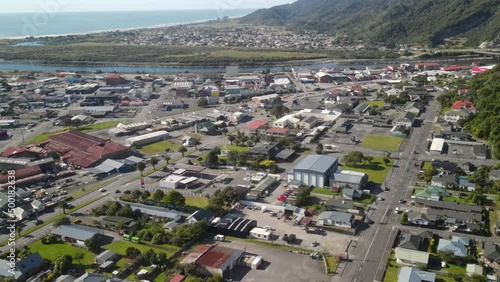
x=178, y=278
x=462, y=105
x=278, y=131
x=256, y=127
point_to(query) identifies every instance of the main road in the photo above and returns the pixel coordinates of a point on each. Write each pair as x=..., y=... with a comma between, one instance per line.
x=369, y=252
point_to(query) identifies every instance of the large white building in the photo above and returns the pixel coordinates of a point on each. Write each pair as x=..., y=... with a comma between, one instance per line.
x=147, y=138
x=315, y=170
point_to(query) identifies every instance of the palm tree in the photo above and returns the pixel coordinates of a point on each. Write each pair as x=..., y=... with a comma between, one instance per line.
x=63, y=206
x=231, y=138
x=182, y=150
x=141, y=166
x=196, y=142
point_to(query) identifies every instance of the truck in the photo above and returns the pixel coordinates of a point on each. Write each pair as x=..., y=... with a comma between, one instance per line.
x=313, y=230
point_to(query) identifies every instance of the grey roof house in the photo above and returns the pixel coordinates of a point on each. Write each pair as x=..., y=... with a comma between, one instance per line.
x=457, y=245
x=314, y=170
x=491, y=252
x=351, y=194
x=444, y=180
x=105, y=257
x=333, y=218
x=76, y=233
x=355, y=180
x=407, y=120
x=24, y=268
x=200, y=215
x=412, y=274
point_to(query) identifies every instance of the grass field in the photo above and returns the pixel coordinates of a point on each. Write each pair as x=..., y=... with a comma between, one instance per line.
x=159, y=148
x=239, y=54
x=427, y=165
x=200, y=202
x=332, y=263
x=324, y=191
x=120, y=247
x=98, y=126
x=53, y=251
x=42, y=137
x=382, y=143
x=366, y=199
x=236, y=148
x=376, y=171
x=379, y=103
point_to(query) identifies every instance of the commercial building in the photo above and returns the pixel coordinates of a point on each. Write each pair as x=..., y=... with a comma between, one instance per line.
x=147, y=138
x=155, y=211
x=214, y=259
x=437, y=146
x=177, y=181
x=315, y=170
x=232, y=225
x=355, y=180
x=84, y=150
x=333, y=218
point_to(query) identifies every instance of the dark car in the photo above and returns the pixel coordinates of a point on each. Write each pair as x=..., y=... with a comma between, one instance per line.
x=402, y=201
x=117, y=191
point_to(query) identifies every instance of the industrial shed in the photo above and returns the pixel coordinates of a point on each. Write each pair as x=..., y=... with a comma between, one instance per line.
x=147, y=138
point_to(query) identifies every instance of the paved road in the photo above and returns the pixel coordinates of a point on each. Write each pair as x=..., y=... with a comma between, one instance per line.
x=373, y=246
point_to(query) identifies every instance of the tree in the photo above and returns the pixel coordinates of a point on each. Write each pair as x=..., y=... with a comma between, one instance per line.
x=278, y=110
x=202, y=102
x=193, y=279
x=429, y=173
x=141, y=166
x=447, y=256
x=243, y=158
x=158, y=195
x=18, y=230
x=63, y=205
x=78, y=257
x=189, y=233
x=154, y=161
x=232, y=158
x=63, y=221
x=231, y=138
x=167, y=159
x=174, y=198
x=215, y=278
x=267, y=163
x=319, y=149
x=136, y=194
x=222, y=201
x=353, y=158
x=92, y=245
x=211, y=160
x=404, y=218
x=24, y=252
x=216, y=204
x=369, y=159
x=387, y=161
x=182, y=150
x=62, y=264
x=132, y=252
x=145, y=196
x=303, y=196
x=196, y=143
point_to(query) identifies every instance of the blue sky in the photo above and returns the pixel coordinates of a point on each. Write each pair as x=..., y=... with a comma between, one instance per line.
x=24, y=6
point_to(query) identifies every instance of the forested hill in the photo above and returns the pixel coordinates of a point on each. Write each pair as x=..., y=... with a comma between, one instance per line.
x=389, y=21
x=485, y=90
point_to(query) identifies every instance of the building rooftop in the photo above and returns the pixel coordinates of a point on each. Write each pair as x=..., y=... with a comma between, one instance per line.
x=256, y=124
x=317, y=163
x=217, y=256
x=77, y=232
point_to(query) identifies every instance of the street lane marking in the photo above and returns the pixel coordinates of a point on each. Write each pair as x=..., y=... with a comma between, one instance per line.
x=370, y=247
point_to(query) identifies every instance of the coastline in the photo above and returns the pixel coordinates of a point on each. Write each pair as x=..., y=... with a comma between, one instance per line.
x=138, y=28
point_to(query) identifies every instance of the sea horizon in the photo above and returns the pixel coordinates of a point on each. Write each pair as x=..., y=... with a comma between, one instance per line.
x=24, y=25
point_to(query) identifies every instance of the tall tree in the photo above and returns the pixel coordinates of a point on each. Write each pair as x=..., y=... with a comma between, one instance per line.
x=196, y=143
x=167, y=159
x=63, y=205
x=174, y=198
x=232, y=158
x=158, y=196
x=182, y=150
x=154, y=161
x=231, y=138
x=211, y=160
x=141, y=166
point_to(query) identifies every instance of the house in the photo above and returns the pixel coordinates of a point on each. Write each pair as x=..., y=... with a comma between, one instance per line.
x=205, y=127
x=265, y=99
x=412, y=274
x=351, y=194
x=256, y=127
x=65, y=278
x=433, y=193
x=310, y=122
x=75, y=233
x=333, y=218
x=444, y=180
x=38, y=206
x=462, y=105
x=91, y=277
x=361, y=109
x=353, y=179
x=421, y=218
x=400, y=131
x=20, y=213
x=105, y=258
x=214, y=259
x=457, y=246
x=495, y=175
x=456, y=115
x=277, y=132
x=261, y=233
x=407, y=120
x=474, y=269
x=411, y=241
x=4, y=201
x=200, y=215
x=270, y=150
x=411, y=257
x=465, y=184
x=22, y=269
x=491, y=252
x=414, y=107
x=314, y=170
x=339, y=205
x=446, y=167
x=156, y=212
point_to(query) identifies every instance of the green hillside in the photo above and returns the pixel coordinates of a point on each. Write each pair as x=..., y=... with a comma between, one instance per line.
x=428, y=22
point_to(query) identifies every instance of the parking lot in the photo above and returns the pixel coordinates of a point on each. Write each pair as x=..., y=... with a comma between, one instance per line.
x=296, y=267
x=330, y=242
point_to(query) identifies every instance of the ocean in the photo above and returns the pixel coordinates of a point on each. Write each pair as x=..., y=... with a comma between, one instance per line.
x=38, y=24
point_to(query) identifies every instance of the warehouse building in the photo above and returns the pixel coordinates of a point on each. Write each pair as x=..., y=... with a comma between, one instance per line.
x=232, y=225
x=178, y=181
x=437, y=146
x=147, y=138
x=315, y=170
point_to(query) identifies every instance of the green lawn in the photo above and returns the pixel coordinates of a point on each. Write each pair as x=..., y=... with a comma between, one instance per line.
x=454, y=269
x=120, y=247
x=236, y=148
x=98, y=126
x=366, y=199
x=379, y=103
x=200, y=202
x=427, y=165
x=53, y=251
x=332, y=263
x=240, y=54
x=159, y=148
x=324, y=191
x=376, y=170
x=455, y=199
x=42, y=137
x=396, y=114
x=382, y=143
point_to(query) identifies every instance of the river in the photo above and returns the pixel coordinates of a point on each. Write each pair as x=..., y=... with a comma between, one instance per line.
x=145, y=69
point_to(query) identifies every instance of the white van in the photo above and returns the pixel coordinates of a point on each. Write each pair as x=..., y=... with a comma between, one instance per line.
x=219, y=237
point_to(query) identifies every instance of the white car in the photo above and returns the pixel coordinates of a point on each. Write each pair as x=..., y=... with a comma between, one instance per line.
x=268, y=227
x=396, y=210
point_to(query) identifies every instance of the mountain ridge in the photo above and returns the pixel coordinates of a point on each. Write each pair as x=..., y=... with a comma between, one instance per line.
x=429, y=22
